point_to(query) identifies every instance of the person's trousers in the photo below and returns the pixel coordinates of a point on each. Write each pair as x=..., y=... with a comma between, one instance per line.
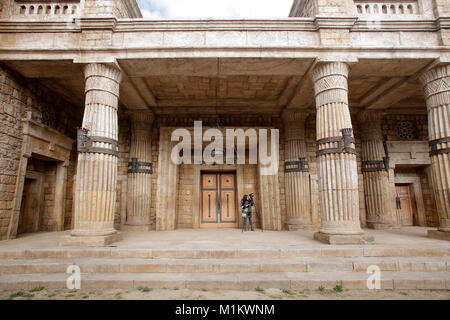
x=250, y=221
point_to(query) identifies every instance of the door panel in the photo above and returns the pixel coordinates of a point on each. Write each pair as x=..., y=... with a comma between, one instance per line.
x=228, y=206
x=209, y=207
x=30, y=207
x=218, y=192
x=405, y=204
x=227, y=181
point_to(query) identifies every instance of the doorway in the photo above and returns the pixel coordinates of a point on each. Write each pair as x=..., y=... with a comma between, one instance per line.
x=406, y=205
x=218, y=200
x=30, y=209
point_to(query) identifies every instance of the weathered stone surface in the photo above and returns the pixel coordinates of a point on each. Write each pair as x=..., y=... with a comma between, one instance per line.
x=89, y=241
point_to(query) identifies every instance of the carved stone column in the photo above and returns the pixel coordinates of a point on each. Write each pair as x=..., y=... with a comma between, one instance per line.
x=437, y=94
x=375, y=167
x=140, y=173
x=298, y=195
x=95, y=191
x=338, y=177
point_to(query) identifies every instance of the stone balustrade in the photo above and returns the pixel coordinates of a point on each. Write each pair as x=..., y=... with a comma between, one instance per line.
x=26, y=8
x=364, y=8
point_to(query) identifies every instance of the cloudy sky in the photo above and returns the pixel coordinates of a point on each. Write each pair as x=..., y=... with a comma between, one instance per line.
x=215, y=8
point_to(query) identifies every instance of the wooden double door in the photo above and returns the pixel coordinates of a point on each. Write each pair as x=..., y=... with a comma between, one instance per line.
x=218, y=200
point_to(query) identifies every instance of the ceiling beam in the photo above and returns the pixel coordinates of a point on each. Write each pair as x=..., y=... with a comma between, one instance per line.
x=397, y=90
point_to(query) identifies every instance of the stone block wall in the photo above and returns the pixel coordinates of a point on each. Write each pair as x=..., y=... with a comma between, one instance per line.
x=116, y=8
x=311, y=8
x=19, y=97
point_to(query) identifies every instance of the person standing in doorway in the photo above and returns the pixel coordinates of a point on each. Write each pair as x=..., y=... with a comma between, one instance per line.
x=246, y=206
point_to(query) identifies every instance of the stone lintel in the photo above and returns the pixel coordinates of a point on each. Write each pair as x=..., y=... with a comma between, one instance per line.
x=89, y=241
x=343, y=239
x=136, y=228
x=108, y=60
x=329, y=59
x=440, y=235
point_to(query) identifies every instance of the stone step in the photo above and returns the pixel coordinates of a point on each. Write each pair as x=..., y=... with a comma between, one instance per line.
x=319, y=252
x=110, y=265
x=248, y=281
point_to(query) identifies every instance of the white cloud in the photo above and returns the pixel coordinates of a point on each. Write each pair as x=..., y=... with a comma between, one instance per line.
x=245, y=9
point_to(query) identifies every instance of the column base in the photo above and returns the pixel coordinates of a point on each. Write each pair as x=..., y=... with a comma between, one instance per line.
x=135, y=228
x=89, y=241
x=382, y=226
x=298, y=227
x=440, y=235
x=343, y=239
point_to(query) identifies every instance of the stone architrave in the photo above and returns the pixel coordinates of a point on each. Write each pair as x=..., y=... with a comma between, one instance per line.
x=95, y=192
x=140, y=169
x=338, y=177
x=436, y=84
x=296, y=176
x=375, y=167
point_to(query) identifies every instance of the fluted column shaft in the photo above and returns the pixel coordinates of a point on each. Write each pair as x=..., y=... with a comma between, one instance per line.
x=437, y=94
x=95, y=191
x=375, y=166
x=338, y=179
x=297, y=185
x=140, y=170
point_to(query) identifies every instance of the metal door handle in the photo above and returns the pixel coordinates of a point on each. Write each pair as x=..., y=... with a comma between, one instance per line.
x=218, y=206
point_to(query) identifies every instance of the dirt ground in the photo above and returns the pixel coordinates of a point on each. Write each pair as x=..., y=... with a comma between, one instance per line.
x=144, y=293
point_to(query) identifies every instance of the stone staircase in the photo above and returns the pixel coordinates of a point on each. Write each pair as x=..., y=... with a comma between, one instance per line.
x=239, y=269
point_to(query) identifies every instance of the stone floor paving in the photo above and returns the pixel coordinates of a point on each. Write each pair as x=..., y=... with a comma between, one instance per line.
x=187, y=239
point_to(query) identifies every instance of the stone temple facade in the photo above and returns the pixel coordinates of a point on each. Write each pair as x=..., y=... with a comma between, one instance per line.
x=90, y=93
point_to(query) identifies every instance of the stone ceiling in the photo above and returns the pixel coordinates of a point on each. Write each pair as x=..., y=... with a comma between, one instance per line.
x=237, y=85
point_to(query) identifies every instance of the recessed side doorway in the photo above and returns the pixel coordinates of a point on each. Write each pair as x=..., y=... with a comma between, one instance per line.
x=31, y=207
x=218, y=203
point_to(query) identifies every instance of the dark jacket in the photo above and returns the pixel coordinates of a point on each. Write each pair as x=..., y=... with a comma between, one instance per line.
x=246, y=205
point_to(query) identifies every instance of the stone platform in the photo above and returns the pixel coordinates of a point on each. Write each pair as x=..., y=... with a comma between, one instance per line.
x=229, y=259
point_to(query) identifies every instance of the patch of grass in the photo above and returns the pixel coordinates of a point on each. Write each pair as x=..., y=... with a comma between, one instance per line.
x=73, y=291
x=69, y=295
x=37, y=289
x=321, y=289
x=287, y=292
x=260, y=290
x=404, y=293
x=16, y=294
x=338, y=288
x=303, y=296
x=28, y=295
x=175, y=289
x=85, y=297
x=51, y=295
x=204, y=290
x=144, y=289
